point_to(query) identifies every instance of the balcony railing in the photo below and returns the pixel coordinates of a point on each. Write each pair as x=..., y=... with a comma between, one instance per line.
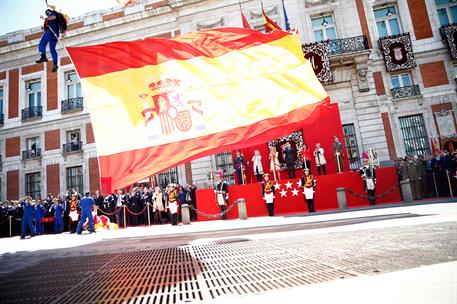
x=2, y=117
x=448, y=33
x=32, y=113
x=72, y=147
x=347, y=45
x=31, y=154
x=404, y=92
x=72, y=105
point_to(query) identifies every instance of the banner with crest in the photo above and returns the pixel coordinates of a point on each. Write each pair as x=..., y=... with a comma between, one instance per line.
x=157, y=103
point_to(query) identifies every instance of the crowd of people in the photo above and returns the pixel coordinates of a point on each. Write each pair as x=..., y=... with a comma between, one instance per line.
x=139, y=206
x=432, y=176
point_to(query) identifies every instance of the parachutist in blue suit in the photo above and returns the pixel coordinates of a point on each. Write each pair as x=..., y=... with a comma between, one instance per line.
x=27, y=218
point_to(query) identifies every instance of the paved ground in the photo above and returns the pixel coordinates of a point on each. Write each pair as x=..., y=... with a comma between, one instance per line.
x=405, y=254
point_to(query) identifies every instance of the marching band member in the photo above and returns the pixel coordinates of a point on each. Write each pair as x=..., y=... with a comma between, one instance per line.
x=238, y=165
x=173, y=204
x=268, y=193
x=257, y=165
x=221, y=191
x=275, y=167
x=368, y=174
x=308, y=184
x=320, y=159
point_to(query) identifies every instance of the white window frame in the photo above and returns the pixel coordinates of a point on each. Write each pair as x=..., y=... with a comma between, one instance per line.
x=324, y=27
x=30, y=140
x=446, y=6
x=70, y=133
x=2, y=99
x=29, y=92
x=73, y=83
x=386, y=20
x=400, y=80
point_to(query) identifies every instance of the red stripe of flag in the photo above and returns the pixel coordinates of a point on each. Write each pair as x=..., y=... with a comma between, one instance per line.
x=116, y=56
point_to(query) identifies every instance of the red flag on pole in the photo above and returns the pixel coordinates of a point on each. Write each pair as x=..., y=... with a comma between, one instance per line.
x=245, y=21
x=270, y=25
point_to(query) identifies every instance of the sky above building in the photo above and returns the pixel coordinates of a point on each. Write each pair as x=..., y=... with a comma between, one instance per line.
x=24, y=14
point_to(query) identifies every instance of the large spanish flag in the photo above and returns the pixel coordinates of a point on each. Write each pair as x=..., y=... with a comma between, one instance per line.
x=157, y=103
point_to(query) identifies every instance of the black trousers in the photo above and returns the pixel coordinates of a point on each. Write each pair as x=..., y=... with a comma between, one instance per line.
x=323, y=169
x=371, y=196
x=239, y=176
x=223, y=208
x=174, y=219
x=271, y=209
x=290, y=169
x=258, y=175
x=310, y=203
x=120, y=216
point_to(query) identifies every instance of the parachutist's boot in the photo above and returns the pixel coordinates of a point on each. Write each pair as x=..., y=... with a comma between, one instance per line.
x=42, y=59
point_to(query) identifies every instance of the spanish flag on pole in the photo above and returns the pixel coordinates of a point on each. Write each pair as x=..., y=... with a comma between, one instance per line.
x=157, y=103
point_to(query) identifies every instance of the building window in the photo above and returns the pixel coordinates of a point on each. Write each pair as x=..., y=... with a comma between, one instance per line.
x=73, y=141
x=323, y=28
x=447, y=11
x=75, y=178
x=33, y=185
x=73, y=85
x=414, y=135
x=224, y=162
x=168, y=176
x=34, y=94
x=401, y=80
x=1, y=106
x=33, y=143
x=351, y=146
x=387, y=21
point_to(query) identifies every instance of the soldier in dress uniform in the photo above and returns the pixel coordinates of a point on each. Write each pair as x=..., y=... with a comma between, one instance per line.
x=119, y=202
x=368, y=174
x=221, y=191
x=337, y=148
x=238, y=165
x=27, y=217
x=268, y=194
x=173, y=204
x=308, y=184
x=413, y=174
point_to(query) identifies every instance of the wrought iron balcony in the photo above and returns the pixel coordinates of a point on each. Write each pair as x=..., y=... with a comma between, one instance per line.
x=32, y=113
x=448, y=33
x=72, y=147
x=404, y=92
x=347, y=45
x=72, y=105
x=2, y=117
x=31, y=154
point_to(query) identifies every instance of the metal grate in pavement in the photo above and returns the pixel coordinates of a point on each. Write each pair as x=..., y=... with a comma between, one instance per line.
x=234, y=267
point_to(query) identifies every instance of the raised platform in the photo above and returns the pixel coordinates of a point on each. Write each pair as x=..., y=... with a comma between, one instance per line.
x=289, y=198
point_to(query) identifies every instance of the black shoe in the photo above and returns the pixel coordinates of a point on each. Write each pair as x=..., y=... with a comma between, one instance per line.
x=22, y=237
x=42, y=59
x=55, y=67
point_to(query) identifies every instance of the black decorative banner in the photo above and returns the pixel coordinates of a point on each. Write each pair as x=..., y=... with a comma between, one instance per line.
x=450, y=34
x=317, y=54
x=398, y=52
x=296, y=143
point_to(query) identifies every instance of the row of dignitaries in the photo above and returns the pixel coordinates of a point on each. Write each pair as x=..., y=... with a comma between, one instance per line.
x=143, y=205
